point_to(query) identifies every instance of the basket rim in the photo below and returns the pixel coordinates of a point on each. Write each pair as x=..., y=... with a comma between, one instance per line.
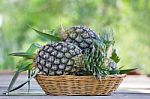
x=117, y=75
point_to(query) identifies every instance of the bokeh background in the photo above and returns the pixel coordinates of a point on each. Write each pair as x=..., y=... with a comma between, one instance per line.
x=130, y=20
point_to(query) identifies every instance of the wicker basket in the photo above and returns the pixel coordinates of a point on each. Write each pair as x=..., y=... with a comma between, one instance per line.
x=79, y=85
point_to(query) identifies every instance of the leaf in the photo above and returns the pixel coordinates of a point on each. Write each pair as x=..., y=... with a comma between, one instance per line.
x=29, y=53
x=121, y=67
x=17, y=87
x=29, y=76
x=98, y=71
x=112, y=72
x=13, y=80
x=24, y=65
x=108, y=38
x=111, y=36
x=63, y=34
x=114, y=56
x=33, y=47
x=55, y=32
x=22, y=54
x=96, y=44
x=21, y=85
x=126, y=71
x=47, y=36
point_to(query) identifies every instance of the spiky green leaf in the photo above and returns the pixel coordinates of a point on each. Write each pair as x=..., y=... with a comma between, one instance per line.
x=126, y=71
x=13, y=80
x=33, y=47
x=47, y=36
x=21, y=85
x=24, y=65
x=22, y=54
x=112, y=72
x=115, y=57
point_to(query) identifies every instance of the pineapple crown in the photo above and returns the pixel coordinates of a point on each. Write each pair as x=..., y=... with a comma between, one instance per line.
x=103, y=57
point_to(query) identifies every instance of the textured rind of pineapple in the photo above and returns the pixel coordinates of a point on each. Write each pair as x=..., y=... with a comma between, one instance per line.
x=59, y=58
x=81, y=36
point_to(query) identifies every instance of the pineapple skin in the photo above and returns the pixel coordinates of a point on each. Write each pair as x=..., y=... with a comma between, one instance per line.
x=82, y=37
x=59, y=59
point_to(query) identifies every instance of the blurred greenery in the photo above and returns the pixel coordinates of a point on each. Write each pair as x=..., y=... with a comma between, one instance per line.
x=130, y=20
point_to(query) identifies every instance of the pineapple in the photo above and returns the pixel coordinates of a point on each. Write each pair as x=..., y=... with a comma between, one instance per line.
x=81, y=36
x=59, y=58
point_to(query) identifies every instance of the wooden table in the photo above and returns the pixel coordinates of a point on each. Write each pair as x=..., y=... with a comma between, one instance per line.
x=133, y=87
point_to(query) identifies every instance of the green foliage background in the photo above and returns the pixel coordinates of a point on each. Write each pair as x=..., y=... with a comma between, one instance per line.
x=130, y=20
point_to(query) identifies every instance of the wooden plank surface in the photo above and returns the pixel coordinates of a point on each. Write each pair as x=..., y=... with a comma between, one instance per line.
x=133, y=87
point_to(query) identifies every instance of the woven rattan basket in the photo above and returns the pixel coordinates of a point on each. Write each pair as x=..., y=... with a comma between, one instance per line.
x=79, y=85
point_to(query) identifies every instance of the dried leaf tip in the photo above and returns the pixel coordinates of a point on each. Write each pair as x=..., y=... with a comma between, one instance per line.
x=63, y=34
x=62, y=31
